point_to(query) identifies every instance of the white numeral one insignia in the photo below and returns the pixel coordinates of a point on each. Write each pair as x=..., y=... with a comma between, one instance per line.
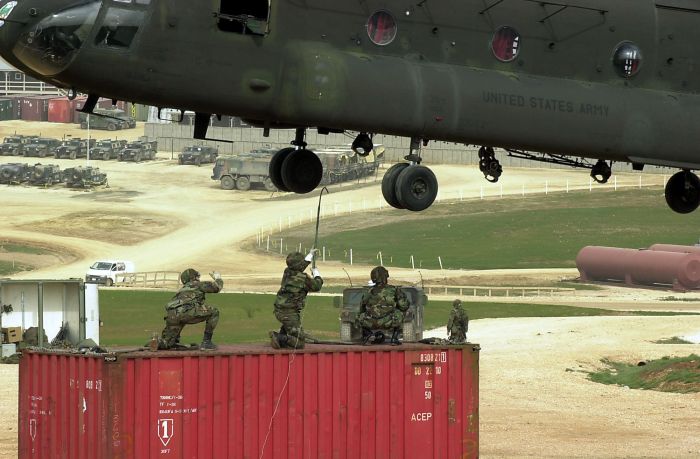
x=165, y=430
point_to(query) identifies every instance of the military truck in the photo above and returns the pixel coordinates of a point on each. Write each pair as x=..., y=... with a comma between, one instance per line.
x=41, y=147
x=242, y=173
x=73, y=148
x=138, y=151
x=13, y=173
x=342, y=164
x=84, y=177
x=112, y=120
x=350, y=310
x=198, y=155
x=14, y=145
x=107, y=149
x=44, y=174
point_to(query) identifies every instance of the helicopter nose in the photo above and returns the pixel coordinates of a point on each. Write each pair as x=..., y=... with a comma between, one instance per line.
x=44, y=36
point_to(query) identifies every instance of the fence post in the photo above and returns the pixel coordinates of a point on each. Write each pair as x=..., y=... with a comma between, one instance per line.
x=440, y=261
x=590, y=184
x=567, y=185
x=281, y=245
x=324, y=253
x=351, y=257
x=413, y=265
x=381, y=259
x=268, y=242
x=615, y=182
x=546, y=187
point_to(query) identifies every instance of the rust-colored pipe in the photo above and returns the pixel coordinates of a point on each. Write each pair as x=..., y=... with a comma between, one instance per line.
x=642, y=267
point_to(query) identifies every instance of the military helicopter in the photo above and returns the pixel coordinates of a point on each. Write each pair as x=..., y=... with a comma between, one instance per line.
x=575, y=80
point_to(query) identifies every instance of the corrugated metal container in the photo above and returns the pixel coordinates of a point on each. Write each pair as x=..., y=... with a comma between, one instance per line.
x=36, y=108
x=409, y=401
x=643, y=267
x=61, y=110
x=7, y=109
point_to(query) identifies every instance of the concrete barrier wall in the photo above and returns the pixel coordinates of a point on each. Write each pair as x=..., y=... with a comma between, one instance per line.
x=174, y=137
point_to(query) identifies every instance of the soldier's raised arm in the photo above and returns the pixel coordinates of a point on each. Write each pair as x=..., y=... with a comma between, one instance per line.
x=314, y=284
x=212, y=287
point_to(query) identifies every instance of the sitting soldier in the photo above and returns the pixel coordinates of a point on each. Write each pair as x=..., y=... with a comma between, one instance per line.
x=458, y=324
x=383, y=307
x=187, y=307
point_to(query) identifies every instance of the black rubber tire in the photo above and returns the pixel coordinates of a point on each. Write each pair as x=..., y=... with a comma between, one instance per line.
x=682, y=192
x=416, y=188
x=243, y=183
x=227, y=182
x=389, y=184
x=83, y=125
x=109, y=282
x=72, y=155
x=275, y=168
x=111, y=127
x=302, y=171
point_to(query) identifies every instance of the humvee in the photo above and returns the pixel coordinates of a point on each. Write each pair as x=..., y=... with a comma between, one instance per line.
x=350, y=310
x=84, y=177
x=241, y=172
x=198, y=155
x=13, y=145
x=107, y=149
x=13, y=173
x=138, y=151
x=41, y=147
x=44, y=174
x=73, y=148
x=114, y=119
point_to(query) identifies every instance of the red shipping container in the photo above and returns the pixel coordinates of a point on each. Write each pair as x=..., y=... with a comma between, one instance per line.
x=61, y=110
x=36, y=108
x=409, y=401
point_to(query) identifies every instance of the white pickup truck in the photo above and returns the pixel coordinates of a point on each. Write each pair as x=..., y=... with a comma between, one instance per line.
x=106, y=271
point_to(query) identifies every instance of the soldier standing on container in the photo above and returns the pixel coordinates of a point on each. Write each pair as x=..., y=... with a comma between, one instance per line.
x=295, y=285
x=458, y=324
x=383, y=306
x=187, y=307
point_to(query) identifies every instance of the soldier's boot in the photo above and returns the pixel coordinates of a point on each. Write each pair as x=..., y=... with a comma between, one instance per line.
x=207, y=345
x=367, y=336
x=294, y=342
x=273, y=340
x=379, y=337
x=395, y=337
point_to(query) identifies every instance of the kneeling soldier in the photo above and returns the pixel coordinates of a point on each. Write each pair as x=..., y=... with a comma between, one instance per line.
x=188, y=307
x=383, y=306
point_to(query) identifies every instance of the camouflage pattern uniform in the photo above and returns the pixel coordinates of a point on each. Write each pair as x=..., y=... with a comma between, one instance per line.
x=458, y=323
x=187, y=307
x=295, y=285
x=383, y=306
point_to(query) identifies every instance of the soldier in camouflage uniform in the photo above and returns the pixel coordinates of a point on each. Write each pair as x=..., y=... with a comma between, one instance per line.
x=383, y=306
x=296, y=284
x=187, y=307
x=458, y=324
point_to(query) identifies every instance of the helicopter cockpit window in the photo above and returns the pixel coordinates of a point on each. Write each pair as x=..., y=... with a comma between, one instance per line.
x=247, y=17
x=381, y=28
x=119, y=27
x=506, y=44
x=627, y=59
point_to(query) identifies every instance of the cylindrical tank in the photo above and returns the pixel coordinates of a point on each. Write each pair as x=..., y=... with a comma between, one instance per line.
x=411, y=401
x=675, y=248
x=645, y=267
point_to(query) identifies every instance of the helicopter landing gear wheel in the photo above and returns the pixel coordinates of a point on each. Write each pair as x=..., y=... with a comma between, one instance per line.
x=275, y=168
x=416, y=188
x=682, y=192
x=302, y=171
x=389, y=184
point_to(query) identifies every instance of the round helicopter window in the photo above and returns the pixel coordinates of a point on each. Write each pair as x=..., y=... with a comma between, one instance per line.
x=505, y=44
x=627, y=59
x=381, y=28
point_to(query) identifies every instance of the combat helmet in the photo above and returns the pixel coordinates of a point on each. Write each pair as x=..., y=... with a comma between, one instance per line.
x=457, y=304
x=188, y=275
x=379, y=275
x=295, y=260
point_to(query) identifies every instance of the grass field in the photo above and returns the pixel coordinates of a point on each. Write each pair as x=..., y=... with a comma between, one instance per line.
x=543, y=231
x=130, y=317
x=680, y=374
x=7, y=267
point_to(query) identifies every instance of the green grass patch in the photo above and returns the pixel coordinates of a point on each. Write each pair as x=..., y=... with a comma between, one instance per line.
x=131, y=316
x=17, y=248
x=680, y=374
x=542, y=231
x=8, y=267
x=673, y=340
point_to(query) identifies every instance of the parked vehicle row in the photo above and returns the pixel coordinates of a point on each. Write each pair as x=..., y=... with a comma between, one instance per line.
x=51, y=174
x=75, y=147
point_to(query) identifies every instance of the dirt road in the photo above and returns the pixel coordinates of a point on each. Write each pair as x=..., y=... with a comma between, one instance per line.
x=167, y=217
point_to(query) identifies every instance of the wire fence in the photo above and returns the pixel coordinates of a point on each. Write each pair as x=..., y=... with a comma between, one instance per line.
x=269, y=238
